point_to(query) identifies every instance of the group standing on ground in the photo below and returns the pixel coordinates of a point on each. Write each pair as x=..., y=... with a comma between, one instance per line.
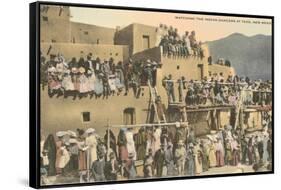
x=164, y=151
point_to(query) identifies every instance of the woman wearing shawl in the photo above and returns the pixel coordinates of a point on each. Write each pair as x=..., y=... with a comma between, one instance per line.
x=212, y=155
x=235, y=152
x=157, y=140
x=130, y=143
x=84, y=87
x=59, y=144
x=67, y=83
x=122, y=149
x=251, y=151
x=91, y=142
x=98, y=86
x=122, y=142
x=198, y=159
x=141, y=144
x=82, y=155
x=219, y=153
x=92, y=80
x=50, y=146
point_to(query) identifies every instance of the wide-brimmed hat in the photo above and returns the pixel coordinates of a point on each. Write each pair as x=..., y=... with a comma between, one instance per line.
x=154, y=63
x=180, y=142
x=72, y=141
x=82, y=70
x=52, y=69
x=45, y=151
x=61, y=133
x=74, y=70
x=71, y=133
x=90, y=130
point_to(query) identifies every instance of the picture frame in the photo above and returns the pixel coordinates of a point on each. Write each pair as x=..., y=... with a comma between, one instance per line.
x=149, y=94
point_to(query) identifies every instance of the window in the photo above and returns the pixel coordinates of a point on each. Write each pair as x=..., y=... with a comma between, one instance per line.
x=86, y=32
x=178, y=67
x=145, y=42
x=86, y=117
x=129, y=116
x=60, y=12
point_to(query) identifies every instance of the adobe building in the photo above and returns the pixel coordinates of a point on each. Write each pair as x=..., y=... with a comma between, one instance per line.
x=60, y=35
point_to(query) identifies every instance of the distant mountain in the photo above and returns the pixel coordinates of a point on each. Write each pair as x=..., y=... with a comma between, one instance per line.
x=250, y=56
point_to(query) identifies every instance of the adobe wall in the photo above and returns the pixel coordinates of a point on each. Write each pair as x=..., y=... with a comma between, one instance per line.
x=50, y=30
x=141, y=30
x=66, y=114
x=125, y=37
x=217, y=69
x=132, y=36
x=117, y=52
x=91, y=34
x=57, y=27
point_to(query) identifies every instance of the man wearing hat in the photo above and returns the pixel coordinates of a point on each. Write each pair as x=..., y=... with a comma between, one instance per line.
x=190, y=158
x=148, y=165
x=111, y=168
x=169, y=159
x=89, y=64
x=181, y=133
x=170, y=89
x=98, y=168
x=128, y=67
x=148, y=71
x=52, y=62
x=180, y=153
x=159, y=161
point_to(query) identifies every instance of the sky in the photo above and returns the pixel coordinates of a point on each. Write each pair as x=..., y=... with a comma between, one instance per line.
x=207, y=27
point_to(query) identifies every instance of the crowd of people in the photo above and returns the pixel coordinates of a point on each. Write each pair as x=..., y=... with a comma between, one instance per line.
x=94, y=77
x=217, y=91
x=176, y=46
x=164, y=151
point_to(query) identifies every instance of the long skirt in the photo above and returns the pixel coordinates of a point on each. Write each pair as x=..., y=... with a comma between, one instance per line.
x=212, y=159
x=219, y=158
x=198, y=165
x=235, y=159
x=123, y=153
x=82, y=161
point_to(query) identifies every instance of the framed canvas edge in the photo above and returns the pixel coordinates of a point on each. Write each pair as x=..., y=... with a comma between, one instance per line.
x=34, y=94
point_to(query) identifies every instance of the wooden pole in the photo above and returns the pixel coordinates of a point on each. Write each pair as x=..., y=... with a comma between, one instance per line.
x=148, y=125
x=108, y=139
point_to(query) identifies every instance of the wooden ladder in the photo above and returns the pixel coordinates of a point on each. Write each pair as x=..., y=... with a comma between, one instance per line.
x=153, y=96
